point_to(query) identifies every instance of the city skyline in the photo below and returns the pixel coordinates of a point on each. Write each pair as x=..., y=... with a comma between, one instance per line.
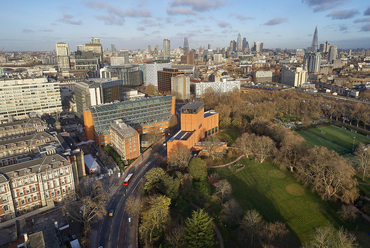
x=136, y=24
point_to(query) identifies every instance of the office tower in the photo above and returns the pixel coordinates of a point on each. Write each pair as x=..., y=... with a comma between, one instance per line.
x=125, y=55
x=145, y=115
x=235, y=46
x=164, y=79
x=190, y=58
x=294, y=76
x=149, y=49
x=217, y=58
x=244, y=43
x=186, y=45
x=322, y=48
x=95, y=40
x=180, y=87
x=253, y=46
x=113, y=48
x=93, y=50
x=209, y=46
x=151, y=69
x=97, y=91
x=231, y=46
x=327, y=46
x=315, y=42
x=350, y=52
x=239, y=43
x=23, y=96
x=156, y=49
x=312, y=62
x=130, y=74
x=63, y=56
x=166, y=49
x=332, y=54
x=258, y=46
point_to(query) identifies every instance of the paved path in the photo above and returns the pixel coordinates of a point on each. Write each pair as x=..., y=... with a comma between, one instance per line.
x=224, y=165
x=368, y=184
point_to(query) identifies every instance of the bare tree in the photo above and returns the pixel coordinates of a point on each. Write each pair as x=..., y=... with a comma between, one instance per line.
x=251, y=221
x=213, y=178
x=363, y=160
x=90, y=204
x=245, y=144
x=329, y=174
x=212, y=144
x=179, y=157
x=231, y=212
x=133, y=205
x=176, y=237
x=348, y=212
x=327, y=236
x=291, y=152
x=223, y=189
x=272, y=233
x=263, y=148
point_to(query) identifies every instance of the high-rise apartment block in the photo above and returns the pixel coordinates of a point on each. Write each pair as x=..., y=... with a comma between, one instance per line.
x=146, y=115
x=180, y=87
x=332, y=54
x=312, y=62
x=125, y=140
x=190, y=58
x=164, y=79
x=294, y=76
x=239, y=43
x=151, y=69
x=186, y=45
x=113, y=48
x=166, y=49
x=63, y=56
x=20, y=97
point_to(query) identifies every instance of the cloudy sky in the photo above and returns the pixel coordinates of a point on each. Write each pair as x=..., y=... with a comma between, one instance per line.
x=38, y=25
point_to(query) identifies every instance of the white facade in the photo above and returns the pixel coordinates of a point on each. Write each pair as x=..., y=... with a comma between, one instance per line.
x=117, y=61
x=217, y=87
x=20, y=97
x=166, y=49
x=180, y=87
x=151, y=72
x=217, y=58
x=63, y=56
x=294, y=76
x=312, y=62
x=263, y=74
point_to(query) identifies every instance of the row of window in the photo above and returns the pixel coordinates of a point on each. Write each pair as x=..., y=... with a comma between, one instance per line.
x=210, y=131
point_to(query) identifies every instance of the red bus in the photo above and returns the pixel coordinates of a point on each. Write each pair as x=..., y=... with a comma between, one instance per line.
x=128, y=179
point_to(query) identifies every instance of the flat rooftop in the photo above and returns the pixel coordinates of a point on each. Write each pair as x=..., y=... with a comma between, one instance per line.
x=209, y=113
x=182, y=135
x=192, y=107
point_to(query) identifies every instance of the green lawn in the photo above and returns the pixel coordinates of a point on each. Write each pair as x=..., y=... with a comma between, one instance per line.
x=229, y=136
x=277, y=196
x=335, y=138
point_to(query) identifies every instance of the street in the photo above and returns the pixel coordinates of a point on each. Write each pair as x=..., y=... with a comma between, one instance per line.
x=117, y=231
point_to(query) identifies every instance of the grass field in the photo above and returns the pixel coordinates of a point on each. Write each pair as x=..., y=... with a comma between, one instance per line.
x=277, y=196
x=334, y=138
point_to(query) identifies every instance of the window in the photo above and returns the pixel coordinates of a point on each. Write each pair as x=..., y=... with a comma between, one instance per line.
x=205, y=133
x=22, y=202
x=216, y=129
x=213, y=130
x=21, y=192
x=4, y=198
x=58, y=192
x=35, y=198
x=57, y=183
x=2, y=189
x=47, y=196
x=33, y=189
x=68, y=180
x=6, y=208
x=64, y=190
x=27, y=191
x=52, y=194
x=209, y=132
x=29, y=200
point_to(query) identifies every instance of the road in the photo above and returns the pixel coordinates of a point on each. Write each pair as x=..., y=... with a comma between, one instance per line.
x=117, y=231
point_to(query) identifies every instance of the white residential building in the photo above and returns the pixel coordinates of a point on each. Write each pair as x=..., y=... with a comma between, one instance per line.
x=294, y=76
x=20, y=97
x=217, y=87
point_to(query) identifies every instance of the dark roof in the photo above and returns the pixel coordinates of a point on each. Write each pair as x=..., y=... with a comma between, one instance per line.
x=192, y=105
x=183, y=135
x=35, y=136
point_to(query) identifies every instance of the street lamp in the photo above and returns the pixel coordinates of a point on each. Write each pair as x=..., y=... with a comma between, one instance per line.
x=353, y=146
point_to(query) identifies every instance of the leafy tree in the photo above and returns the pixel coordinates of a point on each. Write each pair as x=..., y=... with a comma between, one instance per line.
x=153, y=179
x=198, y=169
x=179, y=157
x=170, y=186
x=251, y=221
x=150, y=89
x=199, y=230
x=212, y=144
x=155, y=215
x=363, y=160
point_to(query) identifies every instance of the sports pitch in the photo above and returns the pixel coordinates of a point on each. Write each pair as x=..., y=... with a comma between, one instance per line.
x=334, y=138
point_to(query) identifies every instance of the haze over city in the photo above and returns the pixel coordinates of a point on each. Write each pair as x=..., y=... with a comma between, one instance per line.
x=38, y=25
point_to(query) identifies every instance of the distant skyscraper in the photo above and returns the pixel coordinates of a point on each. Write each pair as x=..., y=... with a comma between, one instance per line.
x=312, y=62
x=253, y=46
x=63, y=56
x=244, y=43
x=95, y=40
x=315, y=42
x=166, y=49
x=156, y=49
x=113, y=48
x=350, y=52
x=332, y=54
x=231, y=46
x=149, y=49
x=209, y=46
x=239, y=41
x=327, y=46
x=186, y=45
x=259, y=46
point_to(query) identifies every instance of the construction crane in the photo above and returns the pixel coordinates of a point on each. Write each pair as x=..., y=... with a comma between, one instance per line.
x=2, y=50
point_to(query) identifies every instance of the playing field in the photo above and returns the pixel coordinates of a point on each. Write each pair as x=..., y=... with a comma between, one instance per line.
x=333, y=137
x=277, y=196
